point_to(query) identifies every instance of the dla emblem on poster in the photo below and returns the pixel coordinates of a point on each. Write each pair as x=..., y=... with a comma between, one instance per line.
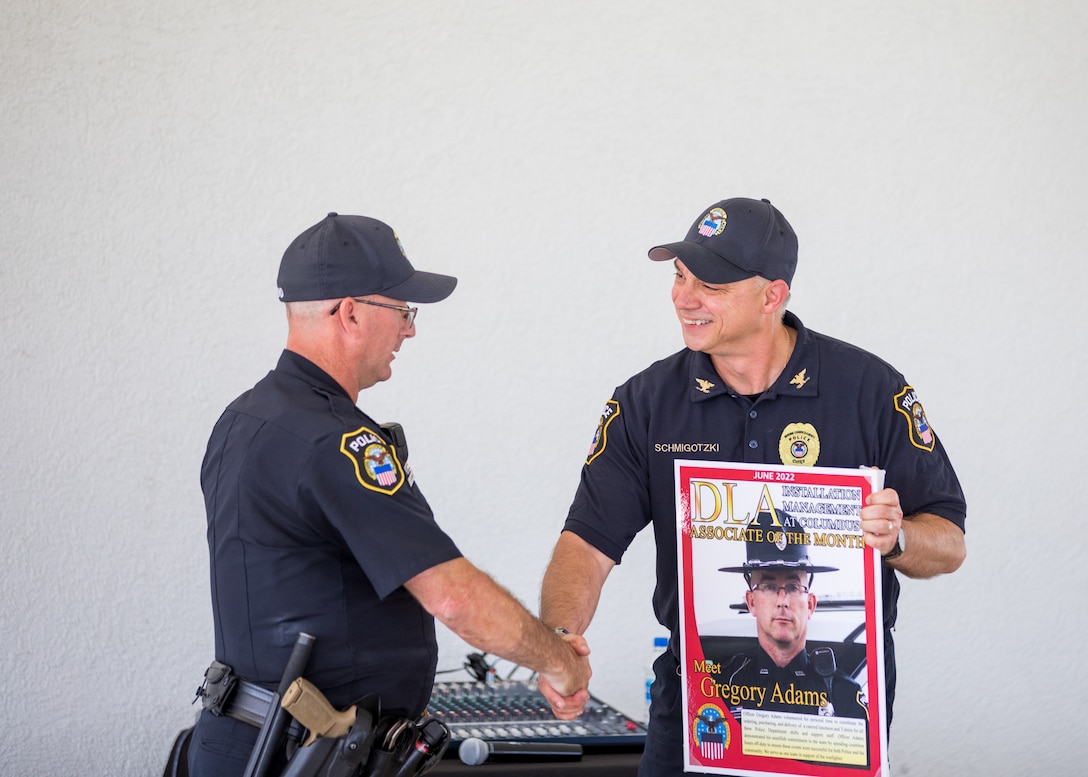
x=781, y=624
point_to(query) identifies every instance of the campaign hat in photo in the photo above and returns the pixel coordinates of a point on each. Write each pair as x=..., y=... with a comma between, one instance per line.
x=736, y=239
x=777, y=554
x=353, y=256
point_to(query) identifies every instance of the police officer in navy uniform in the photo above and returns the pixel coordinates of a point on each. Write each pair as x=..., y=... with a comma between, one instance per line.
x=316, y=523
x=752, y=385
x=779, y=575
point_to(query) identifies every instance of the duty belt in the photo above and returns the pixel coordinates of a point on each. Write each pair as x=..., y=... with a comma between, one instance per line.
x=250, y=703
x=224, y=693
x=381, y=746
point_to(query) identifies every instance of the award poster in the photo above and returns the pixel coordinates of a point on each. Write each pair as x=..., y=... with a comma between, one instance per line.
x=781, y=622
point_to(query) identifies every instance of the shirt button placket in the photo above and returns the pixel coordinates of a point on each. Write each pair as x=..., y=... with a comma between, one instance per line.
x=753, y=443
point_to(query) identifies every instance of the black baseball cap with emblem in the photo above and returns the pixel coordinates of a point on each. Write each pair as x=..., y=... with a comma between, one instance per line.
x=780, y=554
x=736, y=239
x=353, y=256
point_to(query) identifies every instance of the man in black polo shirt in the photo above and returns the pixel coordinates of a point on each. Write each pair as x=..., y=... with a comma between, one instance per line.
x=753, y=385
x=315, y=521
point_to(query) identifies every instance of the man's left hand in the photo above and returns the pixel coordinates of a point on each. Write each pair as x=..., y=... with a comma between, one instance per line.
x=881, y=519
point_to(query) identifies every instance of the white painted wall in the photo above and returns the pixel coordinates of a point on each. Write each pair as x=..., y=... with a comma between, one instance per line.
x=158, y=157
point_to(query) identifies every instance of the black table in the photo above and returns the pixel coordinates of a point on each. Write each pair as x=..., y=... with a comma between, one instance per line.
x=591, y=765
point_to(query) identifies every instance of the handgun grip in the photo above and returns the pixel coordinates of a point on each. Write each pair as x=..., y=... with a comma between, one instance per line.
x=309, y=707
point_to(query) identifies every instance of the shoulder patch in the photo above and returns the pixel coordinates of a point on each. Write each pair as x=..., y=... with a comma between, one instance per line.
x=600, y=437
x=921, y=435
x=376, y=464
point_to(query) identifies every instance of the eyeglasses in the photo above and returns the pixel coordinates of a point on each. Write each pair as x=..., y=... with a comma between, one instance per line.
x=409, y=313
x=792, y=590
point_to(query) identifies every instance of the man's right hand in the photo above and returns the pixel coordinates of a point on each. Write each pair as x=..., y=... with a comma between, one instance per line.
x=487, y=616
x=567, y=689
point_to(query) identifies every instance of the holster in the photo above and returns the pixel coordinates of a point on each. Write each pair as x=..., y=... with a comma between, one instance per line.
x=392, y=747
x=382, y=763
x=339, y=757
x=408, y=748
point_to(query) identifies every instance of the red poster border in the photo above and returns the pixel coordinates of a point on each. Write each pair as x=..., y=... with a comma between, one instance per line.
x=737, y=763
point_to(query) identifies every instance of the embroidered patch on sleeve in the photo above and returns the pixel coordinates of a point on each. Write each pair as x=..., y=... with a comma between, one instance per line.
x=376, y=464
x=921, y=435
x=600, y=437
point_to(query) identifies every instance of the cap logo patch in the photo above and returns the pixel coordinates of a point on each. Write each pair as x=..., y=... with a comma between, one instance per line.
x=799, y=445
x=376, y=464
x=921, y=435
x=400, y=245
x=600, y=437
x=713, y=223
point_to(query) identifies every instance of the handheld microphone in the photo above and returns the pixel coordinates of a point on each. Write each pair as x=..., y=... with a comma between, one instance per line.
x=475, y=751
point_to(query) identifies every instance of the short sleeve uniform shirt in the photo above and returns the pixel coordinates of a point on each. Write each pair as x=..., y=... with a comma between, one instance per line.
x=834, y=405
x=314, y=525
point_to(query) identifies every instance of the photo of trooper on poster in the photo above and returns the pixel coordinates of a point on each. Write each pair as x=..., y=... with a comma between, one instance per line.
x=781, y=625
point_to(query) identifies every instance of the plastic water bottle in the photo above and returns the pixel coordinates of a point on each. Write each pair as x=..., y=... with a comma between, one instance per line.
x=661, y=644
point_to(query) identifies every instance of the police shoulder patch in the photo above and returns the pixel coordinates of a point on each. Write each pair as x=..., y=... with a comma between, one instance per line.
x=376, y=464
x=600, y=437
x=921, y=435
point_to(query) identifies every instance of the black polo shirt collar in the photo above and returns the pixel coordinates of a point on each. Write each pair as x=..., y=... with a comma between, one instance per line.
x=295, y=365
x=800, y=378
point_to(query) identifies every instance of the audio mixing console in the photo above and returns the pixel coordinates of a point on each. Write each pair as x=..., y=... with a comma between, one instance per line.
x=517, y=710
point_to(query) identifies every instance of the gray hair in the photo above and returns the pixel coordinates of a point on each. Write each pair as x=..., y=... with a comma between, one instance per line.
x=762, y=283
x=308, y=310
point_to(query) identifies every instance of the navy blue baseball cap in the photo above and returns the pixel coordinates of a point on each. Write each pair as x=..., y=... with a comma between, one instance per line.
x=353, y=256
x=736, y=239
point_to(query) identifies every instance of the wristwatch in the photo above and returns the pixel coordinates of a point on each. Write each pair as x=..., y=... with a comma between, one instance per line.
x=898, y=548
